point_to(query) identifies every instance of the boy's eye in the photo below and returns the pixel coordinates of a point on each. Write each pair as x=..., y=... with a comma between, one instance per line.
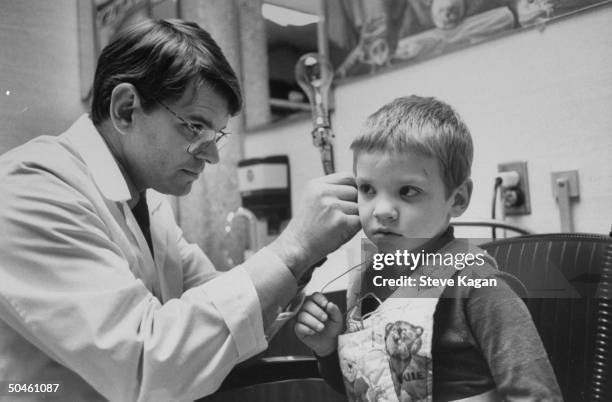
x=366, y=189
x=409, y=191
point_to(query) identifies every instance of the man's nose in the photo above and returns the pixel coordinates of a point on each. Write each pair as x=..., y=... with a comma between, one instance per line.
x=206, y=151
x=385, y=210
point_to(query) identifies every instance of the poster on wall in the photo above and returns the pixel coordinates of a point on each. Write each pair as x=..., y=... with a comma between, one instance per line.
x=113, y=15
x=370, y=36
x=99, y=20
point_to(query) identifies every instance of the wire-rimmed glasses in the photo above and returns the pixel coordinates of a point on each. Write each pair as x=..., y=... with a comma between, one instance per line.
x=202, y=138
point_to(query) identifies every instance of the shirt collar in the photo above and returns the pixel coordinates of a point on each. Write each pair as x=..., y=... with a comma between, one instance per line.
x=435, y=244
x=88, y=142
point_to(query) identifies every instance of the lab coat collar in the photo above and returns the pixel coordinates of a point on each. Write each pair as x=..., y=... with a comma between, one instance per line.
x=104, y=169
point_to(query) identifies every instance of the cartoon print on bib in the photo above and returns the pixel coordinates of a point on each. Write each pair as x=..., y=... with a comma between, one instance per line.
x=409, y=370
x=387, y=357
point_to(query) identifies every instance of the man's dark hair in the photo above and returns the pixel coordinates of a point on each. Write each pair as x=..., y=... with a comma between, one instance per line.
x=160, y=58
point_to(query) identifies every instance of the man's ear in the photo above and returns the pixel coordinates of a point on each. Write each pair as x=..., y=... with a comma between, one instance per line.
x=124, y=100
x=461, y=198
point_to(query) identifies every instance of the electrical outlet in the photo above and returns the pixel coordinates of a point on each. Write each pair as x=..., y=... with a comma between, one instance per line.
x=517, y=196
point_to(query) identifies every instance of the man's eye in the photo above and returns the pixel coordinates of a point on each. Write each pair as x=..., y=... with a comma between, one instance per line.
x=192, y=130
x=409, y=191
x=198, y=127
x=366, y=189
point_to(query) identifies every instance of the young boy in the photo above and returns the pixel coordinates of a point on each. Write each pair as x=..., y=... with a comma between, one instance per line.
x=432, y=318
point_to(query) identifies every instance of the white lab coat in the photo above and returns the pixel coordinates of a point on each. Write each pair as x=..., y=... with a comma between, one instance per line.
x=83, y=303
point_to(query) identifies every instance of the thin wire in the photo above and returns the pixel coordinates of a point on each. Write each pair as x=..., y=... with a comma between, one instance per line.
x=344, y=273
x=498, y=182
x=290, y=314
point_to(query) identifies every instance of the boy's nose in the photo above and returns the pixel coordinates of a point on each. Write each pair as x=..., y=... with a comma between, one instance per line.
x=385, y=211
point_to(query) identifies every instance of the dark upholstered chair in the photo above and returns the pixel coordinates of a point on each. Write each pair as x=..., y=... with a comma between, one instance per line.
x=568, y=279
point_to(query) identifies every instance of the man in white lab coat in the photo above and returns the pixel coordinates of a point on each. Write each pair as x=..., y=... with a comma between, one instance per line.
x=99, y=292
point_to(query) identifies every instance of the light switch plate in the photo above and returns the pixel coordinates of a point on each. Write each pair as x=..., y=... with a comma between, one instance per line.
x=572, y=179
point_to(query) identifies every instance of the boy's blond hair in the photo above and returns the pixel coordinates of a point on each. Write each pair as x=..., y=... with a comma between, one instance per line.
x=425, y=126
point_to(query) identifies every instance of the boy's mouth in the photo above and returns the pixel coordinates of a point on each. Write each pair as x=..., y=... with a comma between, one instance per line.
x=382, y=232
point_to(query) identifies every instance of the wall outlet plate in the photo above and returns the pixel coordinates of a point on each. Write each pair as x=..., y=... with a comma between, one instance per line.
x=524, y=208
x=572, y=179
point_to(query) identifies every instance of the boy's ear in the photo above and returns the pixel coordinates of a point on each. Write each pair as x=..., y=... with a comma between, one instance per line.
x=124, y=100
x=461, y=198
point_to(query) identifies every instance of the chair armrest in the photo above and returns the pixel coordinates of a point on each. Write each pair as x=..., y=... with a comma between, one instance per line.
x=493, y=224
x=271, y=369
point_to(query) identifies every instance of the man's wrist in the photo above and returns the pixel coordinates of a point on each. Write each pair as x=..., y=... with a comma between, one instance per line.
x=293, y=255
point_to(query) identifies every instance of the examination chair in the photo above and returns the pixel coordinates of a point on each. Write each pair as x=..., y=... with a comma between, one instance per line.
x=569, y=283
x=568, y=277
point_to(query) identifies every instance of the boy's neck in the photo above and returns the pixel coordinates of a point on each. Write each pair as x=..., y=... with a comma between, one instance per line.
x=436, y=243
x=431, y=246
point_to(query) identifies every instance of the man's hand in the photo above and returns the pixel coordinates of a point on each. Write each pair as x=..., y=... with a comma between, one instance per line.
x=327, y=218
x=318, y=325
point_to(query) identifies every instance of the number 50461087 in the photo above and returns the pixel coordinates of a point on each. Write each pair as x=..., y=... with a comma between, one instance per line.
x=11, y=388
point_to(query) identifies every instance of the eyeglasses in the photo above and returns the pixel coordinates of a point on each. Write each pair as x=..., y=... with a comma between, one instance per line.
x=202, y=138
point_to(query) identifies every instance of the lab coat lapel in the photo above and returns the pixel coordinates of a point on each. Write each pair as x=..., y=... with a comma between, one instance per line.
x=159, y=236
x=147, y=265
x=167, y=260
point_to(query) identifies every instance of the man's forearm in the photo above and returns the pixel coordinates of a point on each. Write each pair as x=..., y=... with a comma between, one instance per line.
x=293, y=255
x=274, y=282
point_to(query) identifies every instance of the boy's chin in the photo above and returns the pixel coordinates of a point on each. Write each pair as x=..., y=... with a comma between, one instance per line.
x=390, y=246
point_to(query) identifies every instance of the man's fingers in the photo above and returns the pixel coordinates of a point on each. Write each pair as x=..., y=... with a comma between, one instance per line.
x=346, y=193
x=340, y=178
x=349, y=208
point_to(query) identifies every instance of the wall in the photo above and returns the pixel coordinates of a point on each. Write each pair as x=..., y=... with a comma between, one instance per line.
x=540, y=96
x=544, y=97
x=39, y=69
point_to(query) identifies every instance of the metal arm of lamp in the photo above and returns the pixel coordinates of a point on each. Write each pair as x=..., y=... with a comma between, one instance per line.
x=314, y=74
